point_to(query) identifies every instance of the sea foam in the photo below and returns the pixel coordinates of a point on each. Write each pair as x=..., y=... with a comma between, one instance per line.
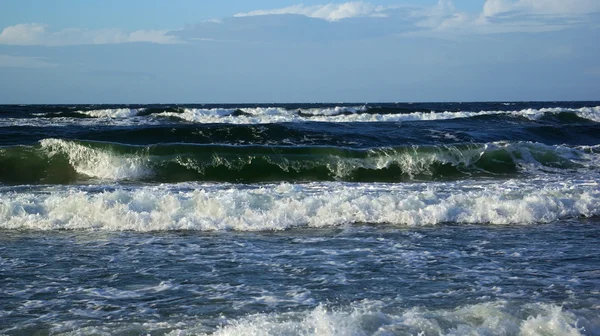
x=357, y=114
x=98, y=163
x=268, y=115
x=112, y=113
x=284, y=206
x=492, y=318
x=373, y=318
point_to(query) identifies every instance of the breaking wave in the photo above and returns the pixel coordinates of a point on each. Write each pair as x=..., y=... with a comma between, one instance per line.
x=267, y=115
x=209, y=207
x=112, y=113
x=493, y=318
x=373, y=318
x=65, y=161
x=357, y=114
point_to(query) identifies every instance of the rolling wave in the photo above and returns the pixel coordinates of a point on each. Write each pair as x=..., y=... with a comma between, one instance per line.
x=268, y=115
x=358, y=114
x=207, y=207
x=112, y=113
x=65, y=161
x=356, y=135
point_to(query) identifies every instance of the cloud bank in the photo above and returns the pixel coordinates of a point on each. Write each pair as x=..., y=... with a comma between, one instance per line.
x=38, y=34
x=329, y=12
x=337, y=21
x=540, y=7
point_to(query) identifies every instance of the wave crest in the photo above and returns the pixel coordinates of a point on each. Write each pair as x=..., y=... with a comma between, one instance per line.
x=337, y=114
x=285, y=206
x=492, y=318
x=112, y=113
x=98, y=163
x=60, y=161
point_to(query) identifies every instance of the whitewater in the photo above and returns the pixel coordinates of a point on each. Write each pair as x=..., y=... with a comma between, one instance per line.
x=300, y=219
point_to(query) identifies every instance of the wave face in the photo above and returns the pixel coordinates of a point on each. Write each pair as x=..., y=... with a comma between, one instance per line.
x=285, y=206
x=63, y=161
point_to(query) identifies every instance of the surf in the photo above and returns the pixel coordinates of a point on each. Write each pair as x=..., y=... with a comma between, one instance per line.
x=68, y=161
x=284, y=206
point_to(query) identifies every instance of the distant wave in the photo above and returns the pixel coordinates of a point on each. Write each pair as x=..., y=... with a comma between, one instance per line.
x=357, y=114
x=67, y=161
x=285, y=206
x=266, y=115
x=112, y=113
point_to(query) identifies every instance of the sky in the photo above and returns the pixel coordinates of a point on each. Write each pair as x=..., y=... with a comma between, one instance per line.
x=239, y=51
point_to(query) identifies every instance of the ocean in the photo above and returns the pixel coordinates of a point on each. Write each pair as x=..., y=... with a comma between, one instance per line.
x=300, y=219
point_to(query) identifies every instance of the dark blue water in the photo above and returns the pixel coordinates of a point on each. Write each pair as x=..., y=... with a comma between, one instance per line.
x=300, y=219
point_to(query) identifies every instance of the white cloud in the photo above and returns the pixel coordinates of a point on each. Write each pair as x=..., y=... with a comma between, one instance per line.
x=38, y=34
x=10, y=61
x=22, y=34
x=535, y=15
x=330, y=12
x=541, y=7
x=505, y=16
x=496, y=16
x=441, y=20
x=443, y=16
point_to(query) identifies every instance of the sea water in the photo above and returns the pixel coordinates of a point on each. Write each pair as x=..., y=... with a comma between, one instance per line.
x=300, y=219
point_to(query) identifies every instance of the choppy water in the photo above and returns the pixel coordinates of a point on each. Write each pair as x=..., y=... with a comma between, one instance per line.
x=360, y=219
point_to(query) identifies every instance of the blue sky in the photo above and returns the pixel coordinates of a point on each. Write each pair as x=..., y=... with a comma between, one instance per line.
x=186, y=51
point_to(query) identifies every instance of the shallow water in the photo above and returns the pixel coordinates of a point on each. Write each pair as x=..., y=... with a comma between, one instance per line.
x=357, y=279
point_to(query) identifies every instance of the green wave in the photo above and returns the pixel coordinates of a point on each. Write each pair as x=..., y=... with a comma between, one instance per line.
x=64, y=161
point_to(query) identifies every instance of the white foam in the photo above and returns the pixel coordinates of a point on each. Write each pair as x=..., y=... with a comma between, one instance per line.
x=331, y=111
x=98, y=163
x=499, y=318
x=112, y=113
x=265, y=115
x=260, y=115
x=552, y=321
x=279, y=115
x=65, y=121
x=591, y=113
x=367, y=318
x=278, y=207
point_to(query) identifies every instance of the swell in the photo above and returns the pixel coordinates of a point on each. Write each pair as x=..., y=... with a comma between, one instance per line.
x=358, y=135
x=64, y=161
